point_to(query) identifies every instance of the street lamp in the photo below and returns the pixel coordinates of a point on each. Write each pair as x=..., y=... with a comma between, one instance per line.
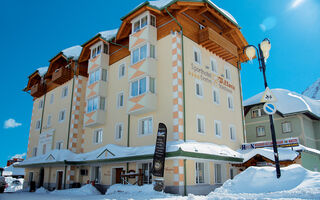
x=263, y=55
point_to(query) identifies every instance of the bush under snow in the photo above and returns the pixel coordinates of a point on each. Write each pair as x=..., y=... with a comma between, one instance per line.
x=84, y=190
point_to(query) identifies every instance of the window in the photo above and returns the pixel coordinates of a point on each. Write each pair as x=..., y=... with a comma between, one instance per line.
x=216, y=96
x=40, y=106
x=44, y=148
x=122, y=70
x=59, y=145
x=139, y=54
x=96, y=174
x=95, y=103
x=227, y=73
x=152, y=51
x=231, y=170
x=200, y=172
x=146, y=170
x=143, y=21
x=197, y=55
x=100, y=74
x=49, y=121
x=97, y=136
x=145, y=126
x=286, y=127
x=258, y=112
x=98, y=49
x=152, y=20
x=34, y=151
x=119, y=131
x=230, y=102
x=260, y=131
x=105, y=48
x=51, y=98
x=62, y=115
x=64, y=92
x=200, y=124
x=214, y=65
x=38, y=124
x=142, y=86
x=120, y=100
x=199, y=90
x=217, y=128
x=232, y=131
x=217, y=173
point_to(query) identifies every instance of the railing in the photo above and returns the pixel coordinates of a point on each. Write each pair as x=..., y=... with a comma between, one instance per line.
x=61, y=75
x=37, y=90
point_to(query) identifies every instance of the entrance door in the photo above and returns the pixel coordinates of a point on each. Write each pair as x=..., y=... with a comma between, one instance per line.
x=59, y=180
x=118, y=173
x=41, y=177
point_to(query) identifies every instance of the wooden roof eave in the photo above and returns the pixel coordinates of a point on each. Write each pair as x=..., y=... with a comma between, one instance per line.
x=93, y=40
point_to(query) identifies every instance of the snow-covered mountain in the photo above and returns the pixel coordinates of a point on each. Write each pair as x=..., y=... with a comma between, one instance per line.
x=313, y=91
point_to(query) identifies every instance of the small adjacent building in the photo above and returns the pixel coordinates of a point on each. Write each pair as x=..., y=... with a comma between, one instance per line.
x=297, y=117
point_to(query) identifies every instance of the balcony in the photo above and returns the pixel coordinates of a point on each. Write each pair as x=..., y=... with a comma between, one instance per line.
x=95, y=118
x=217, y=44
x=61, y=75
x=142, y=104
x=146, y=67
x=37, y=90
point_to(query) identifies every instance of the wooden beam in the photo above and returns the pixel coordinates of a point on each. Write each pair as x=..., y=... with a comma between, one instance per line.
x=202, y=10
x=182, y=3
x=221, y=18
x=184, y=9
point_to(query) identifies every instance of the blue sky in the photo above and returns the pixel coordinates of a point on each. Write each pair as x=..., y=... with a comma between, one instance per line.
x=32, y=32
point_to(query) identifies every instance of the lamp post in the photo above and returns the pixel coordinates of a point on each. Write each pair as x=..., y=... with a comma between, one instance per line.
x=263, y=54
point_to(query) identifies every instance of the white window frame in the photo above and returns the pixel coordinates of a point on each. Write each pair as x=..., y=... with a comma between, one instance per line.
x=197, y=60
x=51, y=98
x=147, y=89
x=140, y=128
x=257, y=131
x=41, y=102
x=103, y=76
x=217, y=124
x=97, y=139
x=215, y=173
x=96, y=177
x=120, y=124
x=138, y=19
x=94, y=49
x=119, y=100
x=34, y=151
x=49, y=121
x=99, y=104
x=206, y=172
x=214, y=65
x=59, y=115
x=232, y=132
x=202, y=124
x=139, y=53
x=229, y=96
x=197, y=82
x=259, y=112
x=63, y=95
x=217, y=91
x=36, y=125
x=122, y=70
x=286, y=127
x=227, y=71
x=59, y=144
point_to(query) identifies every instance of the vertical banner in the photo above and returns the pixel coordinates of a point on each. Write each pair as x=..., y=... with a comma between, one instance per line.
x=160, y=151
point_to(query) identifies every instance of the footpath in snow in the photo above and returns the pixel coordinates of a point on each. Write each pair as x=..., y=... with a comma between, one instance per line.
x=254, y=183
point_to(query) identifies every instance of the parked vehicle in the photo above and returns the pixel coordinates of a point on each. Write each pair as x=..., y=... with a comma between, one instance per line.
x=3, y=183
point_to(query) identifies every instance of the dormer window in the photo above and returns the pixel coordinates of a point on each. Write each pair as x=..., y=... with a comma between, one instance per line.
x=143, y=21
x=96, y=50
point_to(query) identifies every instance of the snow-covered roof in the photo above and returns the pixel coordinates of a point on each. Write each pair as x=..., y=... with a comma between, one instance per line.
x=267, y=152
x=306, y=149
x=42, y=70
x=13, y=171
x=111, y=151
x=109, y=34
x=289, y=102
x=161, y=4
x=72, y=52
x=313, y=91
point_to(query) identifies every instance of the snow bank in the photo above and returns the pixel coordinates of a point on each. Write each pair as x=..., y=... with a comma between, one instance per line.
x=294, y=180
x=72, y=52
x=41, y=190
x=13, y=171
x=289, y=102
x=84, y=190
x=14, y=185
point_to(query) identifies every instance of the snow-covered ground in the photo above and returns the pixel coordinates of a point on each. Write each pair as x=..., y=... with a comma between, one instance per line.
x=254, y=183
x=14, y=184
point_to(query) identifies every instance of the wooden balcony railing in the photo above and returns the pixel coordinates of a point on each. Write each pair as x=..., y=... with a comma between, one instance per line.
x=37, y=90
x=61, y=75
x=217, y=44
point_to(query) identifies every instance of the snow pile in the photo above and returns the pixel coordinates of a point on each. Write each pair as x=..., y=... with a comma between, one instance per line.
x=14, y=184
x=120, y=191
x=261, y=182
x=42, y=70
x=313, y=91
x=41, y=190
x=289, y=102
x=72, y=52
x=267, y=152
x=108, y=35
x=84, y=190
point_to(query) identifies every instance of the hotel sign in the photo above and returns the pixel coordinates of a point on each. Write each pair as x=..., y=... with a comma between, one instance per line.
x=291, y=142
x=211, y=78
x=160, y=151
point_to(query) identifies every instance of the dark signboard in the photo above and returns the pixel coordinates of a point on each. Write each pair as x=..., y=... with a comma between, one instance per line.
x=160, y=151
